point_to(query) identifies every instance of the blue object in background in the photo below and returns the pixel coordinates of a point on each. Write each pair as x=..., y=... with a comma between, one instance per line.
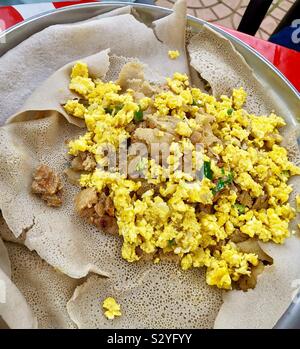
x=288, y=36
x=148, y=2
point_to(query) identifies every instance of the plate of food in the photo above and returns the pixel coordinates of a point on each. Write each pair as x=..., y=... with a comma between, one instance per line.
x=149, y=170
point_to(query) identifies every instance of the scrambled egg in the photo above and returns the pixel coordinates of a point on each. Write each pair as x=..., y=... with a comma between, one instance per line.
x=113, y=309
x=246, y=158
x=173, y=54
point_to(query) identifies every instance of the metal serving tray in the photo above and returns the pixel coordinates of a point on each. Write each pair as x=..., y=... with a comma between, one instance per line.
x=264, y=70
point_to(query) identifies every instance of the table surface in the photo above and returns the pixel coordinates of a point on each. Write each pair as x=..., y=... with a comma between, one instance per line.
x=284, y=59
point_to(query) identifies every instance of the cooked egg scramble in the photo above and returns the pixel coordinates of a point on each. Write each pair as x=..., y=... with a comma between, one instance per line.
x=243, y=193
x=173, y=54
x=113, y=308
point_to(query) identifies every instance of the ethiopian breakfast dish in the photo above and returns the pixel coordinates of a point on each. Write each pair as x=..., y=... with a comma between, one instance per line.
x=148, y=185
x=211, y=221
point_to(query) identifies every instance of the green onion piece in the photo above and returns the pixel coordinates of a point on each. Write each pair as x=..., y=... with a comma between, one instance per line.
x=138, y=115
x=197, y=103
x=171, y=242
x=113, y=110
x=229, y=111
x=118, y=108
x=222, y=183
x=219, y=186
x=207, y=170
x=240, y=208
x=229, y=178
x=108, y=110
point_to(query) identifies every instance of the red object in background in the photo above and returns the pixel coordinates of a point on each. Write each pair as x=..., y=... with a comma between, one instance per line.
x=68, y=3
x=9, y=16
x=284, y=59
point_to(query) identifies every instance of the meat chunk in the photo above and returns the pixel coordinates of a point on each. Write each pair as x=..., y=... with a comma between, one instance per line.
x=204, y=135
x=261, y=202
x=246, y=282
x=73, y=176
x=47, y=184
x=97, y=209
x=84, y=161
x=143, y=255
x=196, y=137
x=244, y=198
x=152, y=135
x=203, y=118
x=130, y=71
x=167, y=123
x=85, y=200
x=237, y=236
x=105, y=205
x=219, y=194
x=205, y=208
x=131, y=127
x=252, y=246
x=45, y=181
x=52, y=200
x=107, y=223
x=132, y=77
x=148, y=89
x=145, y=187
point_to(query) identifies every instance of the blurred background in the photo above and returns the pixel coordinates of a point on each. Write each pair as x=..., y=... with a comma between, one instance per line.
x=265, y=19
x=229, y=13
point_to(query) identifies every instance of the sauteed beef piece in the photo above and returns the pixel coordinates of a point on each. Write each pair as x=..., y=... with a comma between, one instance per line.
x=47, y=184
x=97, y=209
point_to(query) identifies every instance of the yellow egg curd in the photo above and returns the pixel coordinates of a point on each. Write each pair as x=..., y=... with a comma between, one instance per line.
x=112, y=308
x=192, y=217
